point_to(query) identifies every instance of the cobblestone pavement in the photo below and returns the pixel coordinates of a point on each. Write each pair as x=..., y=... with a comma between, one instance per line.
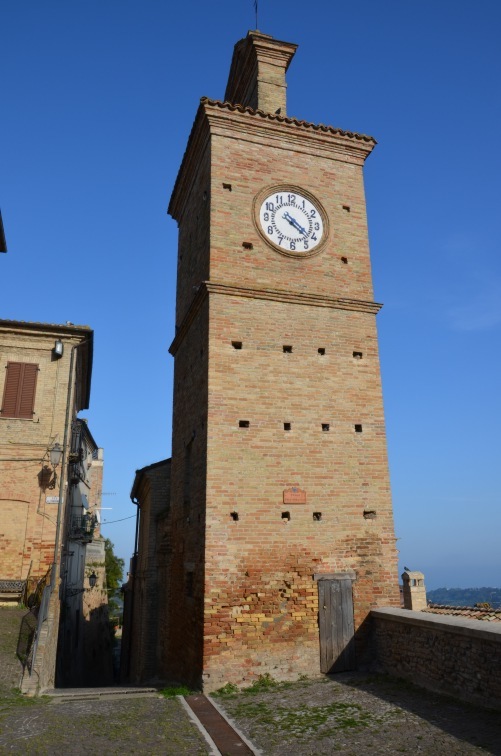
x=350, y=714
x=124, y=726
x=357, y=714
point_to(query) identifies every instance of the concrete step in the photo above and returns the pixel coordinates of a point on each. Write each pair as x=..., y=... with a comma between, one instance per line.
x=64, y=695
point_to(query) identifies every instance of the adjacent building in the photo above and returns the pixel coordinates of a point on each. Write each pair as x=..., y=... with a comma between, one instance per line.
x=49, y=503
x=146, y=601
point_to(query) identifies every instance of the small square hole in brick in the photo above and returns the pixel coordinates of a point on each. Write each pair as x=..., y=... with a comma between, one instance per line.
x=236, y=344
x=344, y=260
x=325, y=427
x=357, y=355
x=244, y=423
x=347, y=208
x=358, y=428
x=321, y=351
x=247, y=245
x=370, y=514
x=317, y=516
x=287, y=348
x=286, y=515
x=287, y=426
x=234, y=516
x=227, y=187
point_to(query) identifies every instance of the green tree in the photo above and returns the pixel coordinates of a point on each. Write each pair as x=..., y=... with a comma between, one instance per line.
x=114, y=574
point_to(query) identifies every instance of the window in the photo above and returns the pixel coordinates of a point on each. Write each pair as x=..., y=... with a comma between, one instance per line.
x=19, y=391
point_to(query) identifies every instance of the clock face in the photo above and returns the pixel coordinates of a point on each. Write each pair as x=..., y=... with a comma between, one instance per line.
x=291, y=221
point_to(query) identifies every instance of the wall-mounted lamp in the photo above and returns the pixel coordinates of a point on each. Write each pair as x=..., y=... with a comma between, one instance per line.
x=58, y=348
x=55, y=455
x=76, y=591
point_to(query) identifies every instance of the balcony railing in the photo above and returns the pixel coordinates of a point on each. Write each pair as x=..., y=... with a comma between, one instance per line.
x=82, y=528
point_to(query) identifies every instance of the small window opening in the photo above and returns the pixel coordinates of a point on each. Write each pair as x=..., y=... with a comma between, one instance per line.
x=317, y=516
x=358, y=428
x=325, y=427
x=227, y=186
x=344, y=260
x=247, y=245
x=357, y=355
x=286, y=515
x=236, y=344
x=234, y=516
x=244, y=423
x=321, y=351
x=287, y=348
x=287, y=426
x=347, y=208
x=369, y=514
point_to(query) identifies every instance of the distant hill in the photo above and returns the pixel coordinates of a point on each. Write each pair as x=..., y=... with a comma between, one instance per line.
x=465, y=596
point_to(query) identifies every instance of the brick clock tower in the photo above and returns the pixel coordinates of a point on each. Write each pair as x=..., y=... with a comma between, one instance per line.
x=282, y=534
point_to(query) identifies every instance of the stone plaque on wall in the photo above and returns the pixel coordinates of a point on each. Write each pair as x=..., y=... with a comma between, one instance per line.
x=95, y=550
x=294, y=495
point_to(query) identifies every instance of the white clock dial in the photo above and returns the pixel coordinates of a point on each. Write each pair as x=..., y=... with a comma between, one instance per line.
x=291, y=221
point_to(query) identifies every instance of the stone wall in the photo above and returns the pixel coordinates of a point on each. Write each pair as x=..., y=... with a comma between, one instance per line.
x=446, y=654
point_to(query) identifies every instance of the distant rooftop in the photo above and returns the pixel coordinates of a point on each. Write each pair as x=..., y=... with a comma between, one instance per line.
x=486, y=614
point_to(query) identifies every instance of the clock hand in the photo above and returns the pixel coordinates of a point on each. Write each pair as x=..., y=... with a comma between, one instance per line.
x=288, y=217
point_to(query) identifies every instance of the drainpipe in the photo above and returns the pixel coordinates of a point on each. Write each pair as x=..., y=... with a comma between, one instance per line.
x=63, y=477
x=134, y=571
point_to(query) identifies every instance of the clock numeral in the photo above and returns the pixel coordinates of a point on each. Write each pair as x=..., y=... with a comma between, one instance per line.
x=270, y=230
x=313, y=212
x=270, y=206
x=314, y=238
x=303, y=205
x=280, y=200
x=306, y=245
x=293, y=246
x=266, y=217
x=317, y=226
x=280, y=239
x=292, y=198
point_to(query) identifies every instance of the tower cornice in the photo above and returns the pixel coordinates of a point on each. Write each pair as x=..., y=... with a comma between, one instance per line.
x=274, y=295
x=237, y=121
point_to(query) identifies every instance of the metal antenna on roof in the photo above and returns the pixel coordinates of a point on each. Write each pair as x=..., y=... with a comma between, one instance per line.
x=255, y=8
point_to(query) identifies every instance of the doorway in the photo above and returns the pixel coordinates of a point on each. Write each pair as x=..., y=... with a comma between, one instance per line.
x=337, y=633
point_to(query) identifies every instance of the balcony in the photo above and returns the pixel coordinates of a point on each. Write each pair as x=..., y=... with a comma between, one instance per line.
x=82, y=528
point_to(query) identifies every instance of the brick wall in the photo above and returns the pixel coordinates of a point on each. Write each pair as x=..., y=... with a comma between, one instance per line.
x=28, y=514
x=442, y=653
x=148, y=583
x=242, y=590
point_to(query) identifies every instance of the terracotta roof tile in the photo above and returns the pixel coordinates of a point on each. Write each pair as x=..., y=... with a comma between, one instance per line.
x=469, y=612
x=286, y=119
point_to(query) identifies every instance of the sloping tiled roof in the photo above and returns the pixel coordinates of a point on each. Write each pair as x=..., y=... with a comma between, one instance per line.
x=40, y=326
x=468, y=612
x=285, y=119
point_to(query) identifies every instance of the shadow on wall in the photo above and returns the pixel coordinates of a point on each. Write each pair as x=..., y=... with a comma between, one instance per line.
x=98, y=649
x=26, y=637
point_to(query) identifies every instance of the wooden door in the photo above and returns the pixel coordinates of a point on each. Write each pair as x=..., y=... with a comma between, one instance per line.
x=337, y=642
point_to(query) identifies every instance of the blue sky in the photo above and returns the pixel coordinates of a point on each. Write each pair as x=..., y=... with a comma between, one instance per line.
x=97, y=102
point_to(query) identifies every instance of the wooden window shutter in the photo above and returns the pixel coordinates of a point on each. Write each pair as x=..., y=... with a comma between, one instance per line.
x=19, y=392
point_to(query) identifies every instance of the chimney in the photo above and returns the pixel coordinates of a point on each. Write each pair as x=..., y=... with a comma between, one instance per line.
x=414, y=590
x=257, y=74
